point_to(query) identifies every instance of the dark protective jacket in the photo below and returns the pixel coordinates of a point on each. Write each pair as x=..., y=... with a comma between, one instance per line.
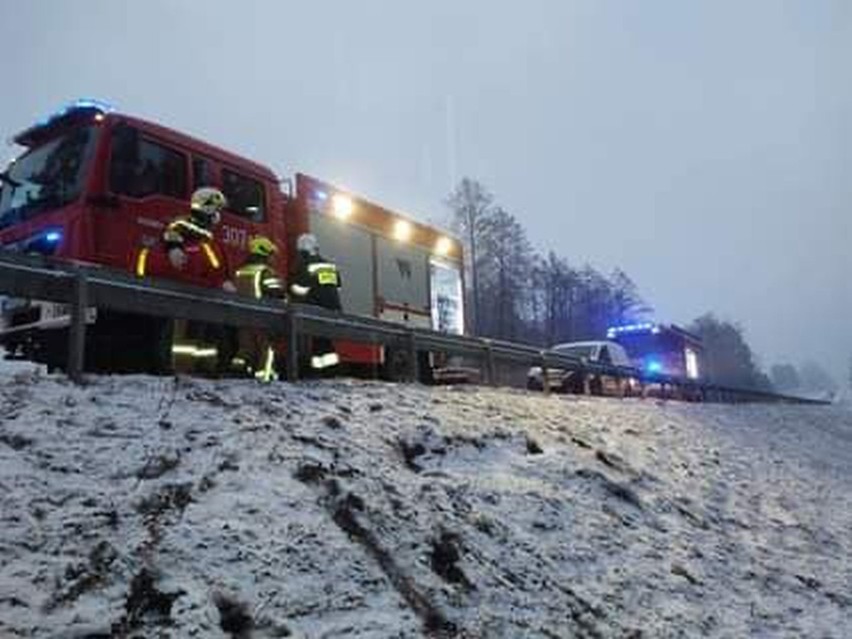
x=316, y=281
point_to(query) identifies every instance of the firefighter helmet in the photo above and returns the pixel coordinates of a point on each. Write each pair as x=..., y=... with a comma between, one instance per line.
x=307, y=243
x=207, y=205
x=262, y=246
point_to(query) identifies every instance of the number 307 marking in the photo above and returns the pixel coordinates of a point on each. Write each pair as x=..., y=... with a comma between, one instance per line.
x=234, y=236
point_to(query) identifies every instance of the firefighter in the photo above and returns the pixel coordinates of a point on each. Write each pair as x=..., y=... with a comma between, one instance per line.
x=258, y=279
x=190, y=253
x=317, y=281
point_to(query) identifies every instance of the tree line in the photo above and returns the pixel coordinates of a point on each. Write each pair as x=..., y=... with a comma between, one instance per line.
x=518, y=294
x=809, y=378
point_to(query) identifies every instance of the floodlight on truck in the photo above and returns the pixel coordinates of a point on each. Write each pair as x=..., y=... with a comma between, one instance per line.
x=342, y=206
x=443, y=246
x=402, y=230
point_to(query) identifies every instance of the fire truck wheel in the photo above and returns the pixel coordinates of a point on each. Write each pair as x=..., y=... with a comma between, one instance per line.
x=397, y=366
x=159, y=360
x=426, y=371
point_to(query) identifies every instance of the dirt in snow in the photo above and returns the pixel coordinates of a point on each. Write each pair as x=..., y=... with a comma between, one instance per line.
x=149, y=507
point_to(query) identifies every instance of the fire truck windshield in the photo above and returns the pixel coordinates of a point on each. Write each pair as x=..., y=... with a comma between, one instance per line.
x=47, y=176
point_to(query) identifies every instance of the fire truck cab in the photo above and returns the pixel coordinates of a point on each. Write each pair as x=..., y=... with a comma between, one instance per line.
x=95, y=186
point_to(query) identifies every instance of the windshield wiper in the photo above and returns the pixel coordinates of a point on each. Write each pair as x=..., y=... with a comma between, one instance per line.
x=8, y=179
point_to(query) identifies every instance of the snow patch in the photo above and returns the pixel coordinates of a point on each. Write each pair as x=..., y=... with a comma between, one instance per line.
x=139, y=506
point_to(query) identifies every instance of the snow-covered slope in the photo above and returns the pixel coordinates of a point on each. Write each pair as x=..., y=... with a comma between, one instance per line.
x=145, y=507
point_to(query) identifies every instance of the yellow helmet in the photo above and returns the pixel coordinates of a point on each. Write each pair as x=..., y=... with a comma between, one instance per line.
x=207, y=204
x=262, y=246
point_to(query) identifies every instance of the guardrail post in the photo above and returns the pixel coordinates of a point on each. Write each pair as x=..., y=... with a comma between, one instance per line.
x=413, y=364
x=545, y=382
x=292, y=345
x=490, y=368
x=77, y=329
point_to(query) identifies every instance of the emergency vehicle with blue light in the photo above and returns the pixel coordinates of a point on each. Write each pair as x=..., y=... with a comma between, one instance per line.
x=93, y=185
x=659, y=349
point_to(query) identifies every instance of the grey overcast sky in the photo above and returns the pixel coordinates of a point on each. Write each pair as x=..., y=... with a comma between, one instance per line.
x=705, y=147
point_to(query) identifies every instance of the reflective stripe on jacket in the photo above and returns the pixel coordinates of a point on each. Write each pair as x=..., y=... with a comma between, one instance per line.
x=325, y=273
x=317, y=281
x=258, y=280
x=182, y=230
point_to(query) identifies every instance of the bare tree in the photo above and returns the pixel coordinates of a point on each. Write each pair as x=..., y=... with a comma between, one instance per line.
x=559, y=286
x=470, y=202
x=550, y=280
x=506, y=260
x=515, y=292
x=592, y=313
x=627, y=304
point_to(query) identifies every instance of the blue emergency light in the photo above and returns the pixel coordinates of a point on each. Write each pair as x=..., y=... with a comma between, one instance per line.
x=614, y=331
x=53, y=237
x=92, y=103
x=81, y=103
x=653, y=366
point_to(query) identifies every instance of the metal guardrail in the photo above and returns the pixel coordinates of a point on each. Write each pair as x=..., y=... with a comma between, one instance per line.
x=83, y=286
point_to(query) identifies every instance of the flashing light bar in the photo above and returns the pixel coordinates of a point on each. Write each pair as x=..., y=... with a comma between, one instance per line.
x=81, y=103
x=633, y=328
x=53, y=236
x=91, y=103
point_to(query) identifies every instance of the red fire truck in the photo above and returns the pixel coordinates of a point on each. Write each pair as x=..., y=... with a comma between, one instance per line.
x=94, y=185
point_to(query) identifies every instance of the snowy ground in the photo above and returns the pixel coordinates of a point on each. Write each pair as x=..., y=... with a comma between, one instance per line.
x=144, y=507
